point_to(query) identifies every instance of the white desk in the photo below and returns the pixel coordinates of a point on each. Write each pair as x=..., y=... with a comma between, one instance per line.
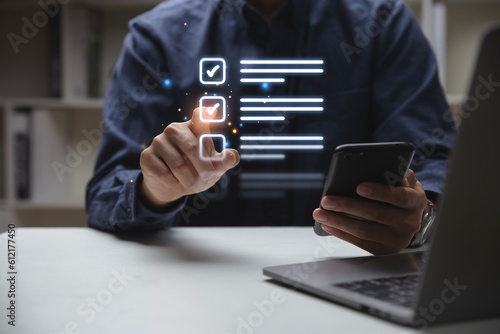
x=189, y=280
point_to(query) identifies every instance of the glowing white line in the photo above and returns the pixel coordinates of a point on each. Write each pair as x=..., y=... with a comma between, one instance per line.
x=282, y=100
x=262, y=118
x=281, y=70
x=281, y=147
x=262, y=80
x=262, y=194
x=281, y=185
x=281, y=108
x=262, y=156
x=283, y=62
x=282, y=176
x=264, y=138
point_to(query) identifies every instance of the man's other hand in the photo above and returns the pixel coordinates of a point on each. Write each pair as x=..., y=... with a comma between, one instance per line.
x=393, y=215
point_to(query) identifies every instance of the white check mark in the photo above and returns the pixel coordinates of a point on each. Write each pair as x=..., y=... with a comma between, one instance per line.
x=211, y=72
x=212, y=110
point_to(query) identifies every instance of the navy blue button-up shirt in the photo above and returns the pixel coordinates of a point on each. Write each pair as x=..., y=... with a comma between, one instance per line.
x=380, y=83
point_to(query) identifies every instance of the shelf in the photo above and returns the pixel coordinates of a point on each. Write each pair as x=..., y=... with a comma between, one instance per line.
x=61, y=205
x=121, y=4
x=50, y=103
x=30, y=4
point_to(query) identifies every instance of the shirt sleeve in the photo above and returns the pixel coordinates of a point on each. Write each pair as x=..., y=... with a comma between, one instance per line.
x=137, y=107
x=407, y=99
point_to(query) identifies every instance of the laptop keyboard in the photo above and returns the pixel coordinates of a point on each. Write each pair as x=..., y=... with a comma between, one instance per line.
x=400, y=290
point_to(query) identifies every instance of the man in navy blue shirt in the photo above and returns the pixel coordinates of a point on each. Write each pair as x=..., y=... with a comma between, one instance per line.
x=380, y=83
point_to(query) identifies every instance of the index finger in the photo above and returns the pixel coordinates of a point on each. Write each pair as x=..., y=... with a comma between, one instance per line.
x=197, y=125
x=400, y=196
x=199, y=128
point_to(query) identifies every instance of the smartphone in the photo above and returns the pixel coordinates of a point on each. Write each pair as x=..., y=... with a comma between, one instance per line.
x=352, y=164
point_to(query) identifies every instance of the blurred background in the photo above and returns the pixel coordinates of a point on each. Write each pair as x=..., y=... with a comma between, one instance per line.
x=56, y=59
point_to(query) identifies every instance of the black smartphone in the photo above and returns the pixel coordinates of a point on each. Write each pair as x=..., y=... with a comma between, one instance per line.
x=352, y=164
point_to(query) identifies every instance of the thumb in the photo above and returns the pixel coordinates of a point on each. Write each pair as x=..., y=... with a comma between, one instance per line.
x=410, y=179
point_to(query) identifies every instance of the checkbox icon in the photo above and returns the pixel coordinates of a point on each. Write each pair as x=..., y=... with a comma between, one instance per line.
x=212, y=71
x=217, y=141
x=213, y=109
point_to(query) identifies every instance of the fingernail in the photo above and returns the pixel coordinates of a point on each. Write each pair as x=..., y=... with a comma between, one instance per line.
x=330, y=204
x=365, y=190
x=320, y=216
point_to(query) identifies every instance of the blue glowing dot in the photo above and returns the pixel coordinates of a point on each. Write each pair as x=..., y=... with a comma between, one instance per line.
x=167, y=83
x=227, y=143
x=265, y=86
x=185, y=118
x=241, y=125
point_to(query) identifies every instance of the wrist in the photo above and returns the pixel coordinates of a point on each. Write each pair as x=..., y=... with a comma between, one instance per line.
x=150, y=200
x=426, y=225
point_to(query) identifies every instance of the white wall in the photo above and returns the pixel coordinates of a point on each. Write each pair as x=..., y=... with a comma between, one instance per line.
x=466, y=25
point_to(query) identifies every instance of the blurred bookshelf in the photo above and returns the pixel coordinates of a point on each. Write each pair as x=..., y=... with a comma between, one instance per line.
x=54, y=76
x=60, y=73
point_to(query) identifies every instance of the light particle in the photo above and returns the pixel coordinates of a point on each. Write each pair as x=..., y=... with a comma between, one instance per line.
x=167, y=83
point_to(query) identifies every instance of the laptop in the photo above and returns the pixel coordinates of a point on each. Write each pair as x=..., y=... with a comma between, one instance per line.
x=458, y=277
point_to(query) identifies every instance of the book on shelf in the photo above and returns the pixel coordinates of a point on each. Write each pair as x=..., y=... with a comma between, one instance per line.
x=439, y=38
x=49, y=138
x=21, y=131
x=2, y=159
x=82, y=41
x=40, y=140
x=55, y=61
x=94, y=52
